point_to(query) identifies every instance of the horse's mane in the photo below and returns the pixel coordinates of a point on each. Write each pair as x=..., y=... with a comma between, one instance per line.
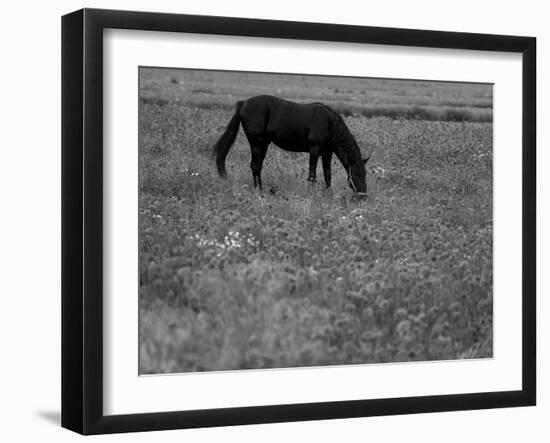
x=341, y=133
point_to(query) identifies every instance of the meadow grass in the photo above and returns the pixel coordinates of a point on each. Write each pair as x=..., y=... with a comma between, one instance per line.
x=234, y=278
x=370, y=97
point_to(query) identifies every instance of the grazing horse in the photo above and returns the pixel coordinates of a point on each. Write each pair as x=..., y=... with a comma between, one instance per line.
x=311, y=127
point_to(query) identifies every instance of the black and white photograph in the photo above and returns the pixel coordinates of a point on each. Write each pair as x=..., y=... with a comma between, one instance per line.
x=288, y=221
x=291, y=220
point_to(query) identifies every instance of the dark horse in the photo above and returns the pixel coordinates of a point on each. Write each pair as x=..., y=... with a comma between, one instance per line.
x=311, y=127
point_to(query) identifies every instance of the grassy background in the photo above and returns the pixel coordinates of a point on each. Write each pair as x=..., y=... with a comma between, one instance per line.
x=233, y=278
x=441, y=101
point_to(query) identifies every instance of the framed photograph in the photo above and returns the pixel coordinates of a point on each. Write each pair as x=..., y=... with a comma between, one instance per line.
x=269, y=221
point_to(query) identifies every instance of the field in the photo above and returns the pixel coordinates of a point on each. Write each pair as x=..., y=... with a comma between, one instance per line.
x=295, y=275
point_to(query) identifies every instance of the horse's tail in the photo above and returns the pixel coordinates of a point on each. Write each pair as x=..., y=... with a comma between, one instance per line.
x=223, y=145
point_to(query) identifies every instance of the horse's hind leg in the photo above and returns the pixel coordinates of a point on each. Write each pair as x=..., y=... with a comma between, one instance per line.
x=313, y=158
x=258, y=154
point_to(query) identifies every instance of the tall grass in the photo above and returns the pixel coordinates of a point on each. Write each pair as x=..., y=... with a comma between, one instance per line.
x=398, y=99
x=233, y=278
x=412, y=112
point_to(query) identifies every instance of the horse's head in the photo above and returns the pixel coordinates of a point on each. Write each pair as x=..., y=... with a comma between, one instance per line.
x=357, y=177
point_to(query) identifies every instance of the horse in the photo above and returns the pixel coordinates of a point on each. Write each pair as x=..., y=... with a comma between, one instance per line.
x=311, y=127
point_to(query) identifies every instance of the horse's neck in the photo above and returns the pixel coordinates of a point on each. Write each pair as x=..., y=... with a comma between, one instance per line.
x=345, y=154
x=341, y=156
x=344, y=143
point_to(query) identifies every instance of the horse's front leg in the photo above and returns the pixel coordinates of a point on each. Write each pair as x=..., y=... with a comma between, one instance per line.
x=313, y=158
x=327, y=159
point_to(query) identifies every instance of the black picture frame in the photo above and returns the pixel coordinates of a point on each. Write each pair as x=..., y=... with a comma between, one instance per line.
x=82, y=220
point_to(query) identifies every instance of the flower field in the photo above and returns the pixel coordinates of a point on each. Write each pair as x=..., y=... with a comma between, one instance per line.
x=295, y=275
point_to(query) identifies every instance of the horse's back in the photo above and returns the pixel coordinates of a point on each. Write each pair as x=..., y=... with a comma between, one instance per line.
x=292, y=126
